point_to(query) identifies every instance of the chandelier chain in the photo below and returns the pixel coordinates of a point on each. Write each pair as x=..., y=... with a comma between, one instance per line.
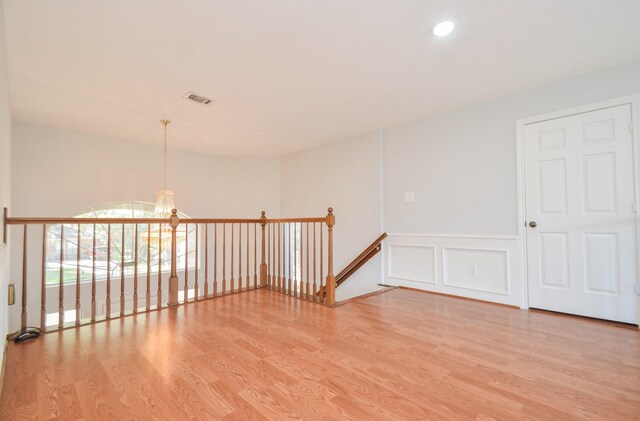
x=165, y=123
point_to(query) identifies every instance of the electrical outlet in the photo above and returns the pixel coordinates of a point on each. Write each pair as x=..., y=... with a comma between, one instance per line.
x=473, y=270
x=12, y=294
x=408, y=197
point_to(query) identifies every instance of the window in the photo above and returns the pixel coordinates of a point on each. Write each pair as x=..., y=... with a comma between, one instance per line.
x=114, y=252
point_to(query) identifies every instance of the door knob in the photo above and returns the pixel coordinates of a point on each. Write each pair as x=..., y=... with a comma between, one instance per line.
x=533, y=224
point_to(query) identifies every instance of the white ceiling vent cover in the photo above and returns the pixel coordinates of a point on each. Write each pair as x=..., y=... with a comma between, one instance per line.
x=197, y=98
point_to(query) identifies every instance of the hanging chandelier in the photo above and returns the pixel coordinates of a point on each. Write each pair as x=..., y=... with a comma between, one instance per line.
x=164, y=196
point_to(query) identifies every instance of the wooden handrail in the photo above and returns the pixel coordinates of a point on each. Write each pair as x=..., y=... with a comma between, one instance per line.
x=362, y=258
x=88, y=221
x=70, y=220
x=292, y=220
x=368, y=253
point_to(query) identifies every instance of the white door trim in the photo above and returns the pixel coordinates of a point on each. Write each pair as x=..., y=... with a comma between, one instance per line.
x=634, y=102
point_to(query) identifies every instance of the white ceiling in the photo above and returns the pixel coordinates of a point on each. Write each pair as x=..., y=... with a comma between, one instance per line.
x=290, y=74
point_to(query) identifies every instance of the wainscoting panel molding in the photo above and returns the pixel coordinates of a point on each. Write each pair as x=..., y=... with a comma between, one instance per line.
x=486, y=268
x=412, y=262
x=479, y=270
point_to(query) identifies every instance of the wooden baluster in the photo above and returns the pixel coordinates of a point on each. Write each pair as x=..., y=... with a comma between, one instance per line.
x=273, y=257
x=61, y=281
x=186, y=263
x=295, y=259
x=93, y=275
x=269, y=255
x=279, y=254
x=275, y=232
x=224, y=258
x=290, y=271
x=283, y=278
x=231, y=281
x=108, y=303
x=307, y=295
x=331, y=280
x=322, y=293
x=43, y=290
x=206, y=260
x=135, y=270
x=159, y=292
x=301, y=267
x=271, y=267
x=281, y=282
x=315, y=288
x=148, y=292
x=303, y=290
x=255, y=256
x=248, y=280
x=284, y=257
x=290, y=263
x=215, y=259
x=263, y=264
x=23, y=319
x=240, y=257
x=122, y=274
x=196, y=290
x=77, y=278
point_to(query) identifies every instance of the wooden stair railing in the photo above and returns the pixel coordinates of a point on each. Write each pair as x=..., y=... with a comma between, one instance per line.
x=79, y=271
x=368, y=253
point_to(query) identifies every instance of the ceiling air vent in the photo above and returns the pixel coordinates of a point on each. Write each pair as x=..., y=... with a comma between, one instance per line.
x=197, y=98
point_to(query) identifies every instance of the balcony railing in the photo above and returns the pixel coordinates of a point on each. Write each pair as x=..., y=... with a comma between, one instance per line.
x=77, y=271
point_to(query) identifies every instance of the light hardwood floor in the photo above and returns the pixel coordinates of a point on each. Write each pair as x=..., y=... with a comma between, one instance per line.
x=261, y=355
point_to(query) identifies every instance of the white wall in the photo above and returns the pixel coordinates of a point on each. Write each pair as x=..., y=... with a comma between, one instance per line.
x=461, y=167
x=61, y=173
x=346, y=176
x=5, y=183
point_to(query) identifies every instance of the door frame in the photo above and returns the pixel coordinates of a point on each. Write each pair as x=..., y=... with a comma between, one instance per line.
x=634, y=102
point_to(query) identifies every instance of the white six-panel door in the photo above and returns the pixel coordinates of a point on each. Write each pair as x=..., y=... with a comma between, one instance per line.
x=580, y=214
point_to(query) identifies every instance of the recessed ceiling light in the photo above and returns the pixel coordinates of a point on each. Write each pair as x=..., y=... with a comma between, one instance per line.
x=443, y=28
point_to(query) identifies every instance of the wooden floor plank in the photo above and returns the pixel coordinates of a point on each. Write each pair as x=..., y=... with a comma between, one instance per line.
x=263, y=355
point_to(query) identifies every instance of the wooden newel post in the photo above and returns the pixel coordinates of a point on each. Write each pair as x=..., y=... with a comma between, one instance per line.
x=173, y=280
x=331, y=280
x=263, y=264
